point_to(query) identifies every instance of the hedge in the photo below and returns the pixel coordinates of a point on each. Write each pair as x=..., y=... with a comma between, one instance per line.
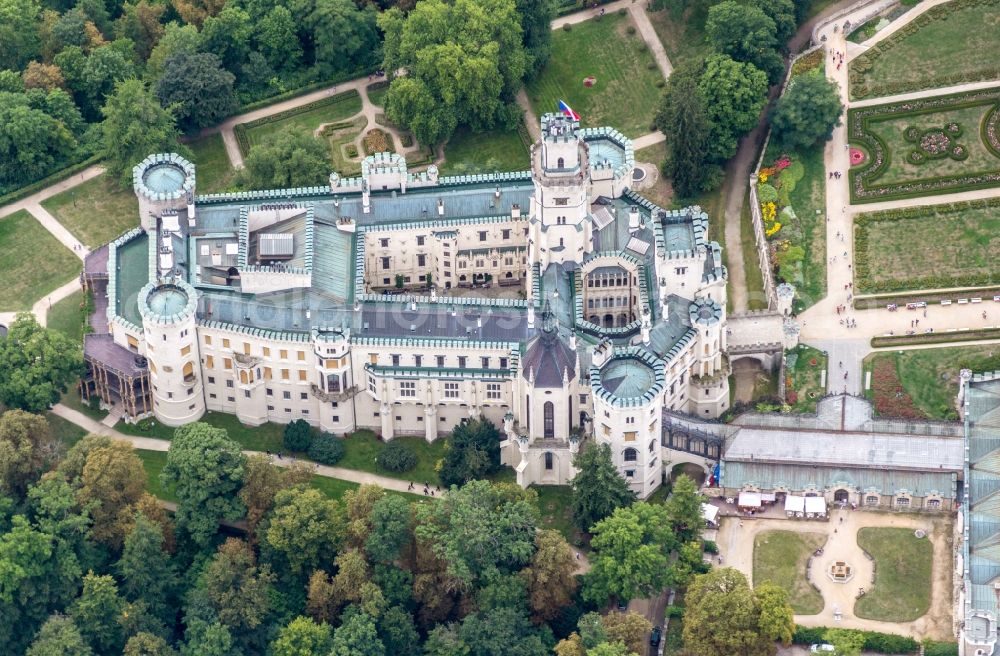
x=240, y=129
x=932, y=648
x=301, y=91
x=880, y=301
x=58, y=176
x=936, y=338
x=882, y=643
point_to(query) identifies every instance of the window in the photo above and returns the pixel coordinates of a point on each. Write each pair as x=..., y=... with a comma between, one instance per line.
x=629, y=436
x=440, y=361
x=493, y=391
x=506, y=233
x=548, y=460
x=186, y=350
x=417, y=360
x=285, y=375
x=385, y=263
x=246, y=393
x=269, y=391
x=212, y=396
x=503, y=363
x=631, y=455
x=229, y=384
x=303, y=376
x=303, y=396
x=549, y=419
x=485, y=361
x=227, y=363
x=246, y=348
x=629, y=473
x=301, y=355
x=680, y=271
x=270, y=407
x=208, y=340
x=461, y=362
x=407, y=389
x=482, y=235
x=286, y=395
x=421, y=260
x=934, y=504
x=211, y=380
x=384, y=243
x=451, y=390
x=225, y=343
x=562, y=202
x=371, y=384
x=560, y=163
x=267, y=352
x=902, y=501
x=230, y=399
x=652, y=445
x=283, y=354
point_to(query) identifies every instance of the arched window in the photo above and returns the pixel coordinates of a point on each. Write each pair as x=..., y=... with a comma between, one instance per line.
x=652, y=445
x=243, y=376
x=549, y=419
x=560, y=163
x=631, y=455
x=548, y=460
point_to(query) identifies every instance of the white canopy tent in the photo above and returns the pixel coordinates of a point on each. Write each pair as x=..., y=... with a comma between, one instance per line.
x=795, y=505
x=816, y=506
x=710, y=513
x=749, y=500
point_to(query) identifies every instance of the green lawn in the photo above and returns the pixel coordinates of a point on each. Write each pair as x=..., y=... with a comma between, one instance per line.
x=625, y=95
x=71, y=399
x=267, y=437
x=756, y=298
x=903, y=566
x=780, y=557
x=945, y=46
x=363, y=447
x=96, y=211
x=660, y=192
x=32, y=262
x=213, y=172
x=804, y=387
x=377, y=92
x=683, y=37
x=306, y=122
x=936, y=246
x=484, y=152
x=65, y=432
x=68, y=315
x=555, y=502
x=153, y=462
x=335, y=489
x=929, y=377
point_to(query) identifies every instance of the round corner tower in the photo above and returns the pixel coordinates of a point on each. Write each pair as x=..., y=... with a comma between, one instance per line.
x=168, y=323
x=162, y=182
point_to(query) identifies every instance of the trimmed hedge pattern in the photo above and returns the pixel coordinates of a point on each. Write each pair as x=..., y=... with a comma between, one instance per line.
x=864, y=179
x=861, y=88
x=880, y=301
x=863, y=277
x=936, y=338
x=58, y=176
x=240, y=129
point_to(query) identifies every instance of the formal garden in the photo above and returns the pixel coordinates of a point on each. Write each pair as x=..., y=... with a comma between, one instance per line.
x=805, y=378
x=923, y=383
x=925, y=147
x=780, y=557
x=928, y=247
x=96, y=211
x=943, y=46
x=32, y=262
x=620, y=85
x=903, y=567
x=306, y=119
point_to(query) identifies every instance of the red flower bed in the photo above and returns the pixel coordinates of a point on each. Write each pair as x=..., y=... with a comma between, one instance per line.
x=890, y=399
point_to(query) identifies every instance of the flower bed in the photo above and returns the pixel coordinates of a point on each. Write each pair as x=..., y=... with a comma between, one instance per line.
x=377, y=141
x=888, y=395
x=931, y=160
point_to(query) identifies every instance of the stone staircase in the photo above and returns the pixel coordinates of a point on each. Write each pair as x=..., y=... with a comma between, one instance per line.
x=113, y=416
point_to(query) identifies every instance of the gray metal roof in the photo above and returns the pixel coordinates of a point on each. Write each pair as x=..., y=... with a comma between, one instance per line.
x=276, y=245
x=796, y=477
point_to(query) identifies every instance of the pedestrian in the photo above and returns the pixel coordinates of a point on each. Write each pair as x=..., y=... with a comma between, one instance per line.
x=578, y=555
x=840, y=363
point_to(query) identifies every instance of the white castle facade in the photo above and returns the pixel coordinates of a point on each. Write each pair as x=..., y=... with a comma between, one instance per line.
x=554, y=302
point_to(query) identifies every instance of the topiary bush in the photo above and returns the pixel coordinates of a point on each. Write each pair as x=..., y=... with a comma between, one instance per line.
x=298, y=435
x=326, y=448
x=397, y=457
x=766, y=193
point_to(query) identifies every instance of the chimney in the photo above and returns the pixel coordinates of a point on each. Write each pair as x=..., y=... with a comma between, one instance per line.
x=515, y=211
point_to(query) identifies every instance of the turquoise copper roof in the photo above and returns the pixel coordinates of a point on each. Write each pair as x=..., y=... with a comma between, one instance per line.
x=627, y=378
x=164, y=178
x=631, y=378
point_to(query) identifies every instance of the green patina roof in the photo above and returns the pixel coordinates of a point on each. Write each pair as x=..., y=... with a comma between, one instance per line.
x=132, y=274
x=627, y=378
x=167, y=301
x=165, y=178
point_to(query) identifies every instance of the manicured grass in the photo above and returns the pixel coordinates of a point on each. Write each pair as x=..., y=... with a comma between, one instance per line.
x=756, y=298
x=780, y=557
x=929, y=377
x=67, y=316
x=72, y=399
x=484, y=152
x=96, y=211
x=65, y=432
x=308, y=121
x=335, y=488
x=903, y=566
x=682, y=36
x=377, y=92
x=803, y=386
x=32, y=262
x=945, y=47
x=889, y=173
x=339, y=140
x=363, y=447
x=153, y=462
x=952, y=245
x=555, y=502
x=213, y=171
x=625, y=95
x=267, y=437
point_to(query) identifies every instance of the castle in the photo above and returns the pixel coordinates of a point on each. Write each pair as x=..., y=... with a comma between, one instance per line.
x=554, y=302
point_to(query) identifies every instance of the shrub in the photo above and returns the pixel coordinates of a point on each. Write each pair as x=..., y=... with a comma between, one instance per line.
x=659, y=85
x=567, y=27
x=766, y=193
x=675, y=611
x=298, y=435
x=883, y=643
x=651, y=66
x=406, y=140
x=622, y=12
x=352, y=150
x=709, y=547
x=630, y=29
x=932, y=648
x=94, y=403
x=327, y=449
x=397, y=457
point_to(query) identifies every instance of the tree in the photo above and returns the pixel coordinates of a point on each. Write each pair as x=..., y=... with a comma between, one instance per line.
x=782, y=12
x=141, y=23
x=285, y=160
x=683, y=118
x=722, y=616
x=146, y=571
x=112, y=483
x=206, y=469
x=92, y=78
x=238, y=589
x=550, y=576
x=42, y=76
x=326, y=448
x=684, y=510
x=629, y=628
x=465, y=60
x=297, y=435
x=98, y=613
x=481, y=530
x=398, y=633
x=134, y=126
x=845, y=641
x=807, y=112
x=598, y=488
x=536, y=22
x=473, y=451
x=359, y=504
x=147, y=644
x=390, y=529
x=228, y=35
x=176, y=38
x=503, y=631
x=32, y=144
x=277, y=39
x=357, y=636
x=36, y=364
x=306, y=528
x=26, y=450
x=195, y=12
x=302, y=637
x=630, y=554
x=397, y=457
x=344, y=36
x=734, y=93
x=326, y=597
x=747, y=34
x=19, y=40
x=196, y=88
x=261, y=482
x=612, y=649
x=777, y=620
x=59, y=637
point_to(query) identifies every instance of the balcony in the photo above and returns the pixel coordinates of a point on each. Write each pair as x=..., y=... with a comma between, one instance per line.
x=326, y=397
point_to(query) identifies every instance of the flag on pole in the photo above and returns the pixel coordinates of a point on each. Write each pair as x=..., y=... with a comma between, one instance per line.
x=566, y=110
